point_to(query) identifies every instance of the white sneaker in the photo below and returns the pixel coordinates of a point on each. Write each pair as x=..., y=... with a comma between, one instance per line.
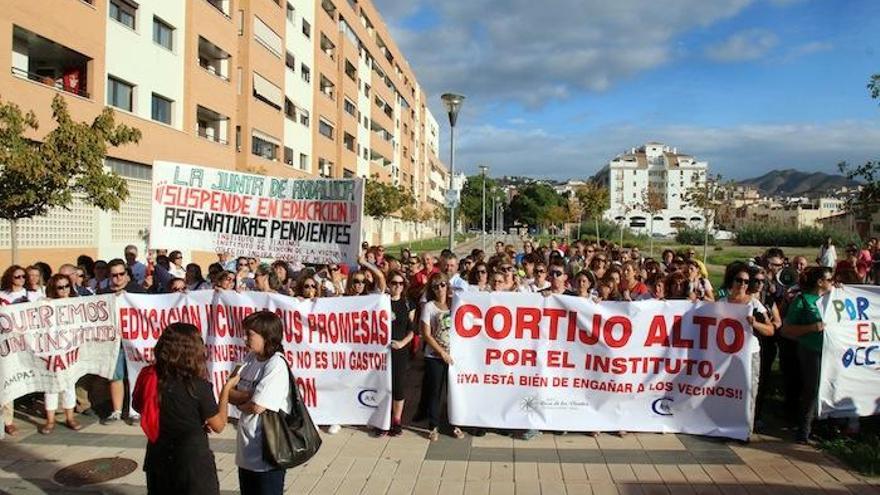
x=134, y=419
x=334, y=429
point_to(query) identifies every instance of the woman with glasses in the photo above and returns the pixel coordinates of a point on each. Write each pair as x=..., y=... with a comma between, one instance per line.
x=176, y=268
x=100, y=279
x=360, y=283
x=60, y=287
x=177, y=285
x=758, y=290
x=224, y=280
x=497, y=283
x=478, y=278
x=306, y=287
x=540, y=283
x=758, y=318
x=803, y=322
x=699, y=285
x=12, y=286
x=435, y=325
x=403, y=315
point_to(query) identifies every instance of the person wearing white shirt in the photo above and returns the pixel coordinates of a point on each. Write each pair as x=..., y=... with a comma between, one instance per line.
x=264, y=386
x=176, y=268
x=138, y=269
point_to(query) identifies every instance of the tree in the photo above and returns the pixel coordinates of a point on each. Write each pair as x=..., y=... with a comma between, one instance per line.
x=471, y=209
x=709, y=199
x=866, y=201
x=532, y=202
x=594, y=200
x=68, y=164
x=653, y=202
x=874, y=86
x=381, y=200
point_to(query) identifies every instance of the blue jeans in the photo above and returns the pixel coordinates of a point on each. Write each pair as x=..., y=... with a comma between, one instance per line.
x=261, y=483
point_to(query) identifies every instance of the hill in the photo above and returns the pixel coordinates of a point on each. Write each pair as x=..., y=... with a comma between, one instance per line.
x=792, y=182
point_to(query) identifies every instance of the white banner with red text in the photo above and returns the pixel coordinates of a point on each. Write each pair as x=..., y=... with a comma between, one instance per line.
x=46, y=346
x=523, y=361
x=849, y=383
x=298, y=220
x=338, y=347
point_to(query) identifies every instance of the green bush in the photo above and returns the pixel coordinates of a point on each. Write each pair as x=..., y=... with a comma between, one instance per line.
x=610, y=232
x=691, y=236
x=775, y=235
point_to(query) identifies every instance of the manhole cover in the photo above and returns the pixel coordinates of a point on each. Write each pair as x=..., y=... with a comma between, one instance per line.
x=95, y=471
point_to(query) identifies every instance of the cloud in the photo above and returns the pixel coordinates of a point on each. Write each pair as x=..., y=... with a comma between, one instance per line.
x=534, y=52
x=746, y=45
x=735, y=151
x=809, y=49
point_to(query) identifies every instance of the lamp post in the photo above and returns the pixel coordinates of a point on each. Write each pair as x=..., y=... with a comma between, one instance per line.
x=484, y=168
x=452, y=102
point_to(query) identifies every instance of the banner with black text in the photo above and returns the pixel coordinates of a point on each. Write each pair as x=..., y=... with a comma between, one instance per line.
x=298, y=220
x=338, y=347
x=523, y=361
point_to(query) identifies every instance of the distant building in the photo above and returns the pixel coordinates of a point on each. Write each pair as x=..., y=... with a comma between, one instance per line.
x=798, y=213
x=660, y=168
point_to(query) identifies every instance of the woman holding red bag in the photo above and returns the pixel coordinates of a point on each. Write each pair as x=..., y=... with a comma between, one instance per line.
x=177, y=407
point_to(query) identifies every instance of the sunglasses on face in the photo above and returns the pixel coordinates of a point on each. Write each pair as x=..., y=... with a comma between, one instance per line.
x=334, y=268
x=62, y=287
x=178, y=289
x=828, y=279
x=556, y=273
x=309, y=286
x=540, y=270
x=481, y=272
x=507, y=268
x=741, y=280
x=358, y=281
x=18, y=277
x=439, y=285
x=396, y=283
x=758, y=281
x=117, y=275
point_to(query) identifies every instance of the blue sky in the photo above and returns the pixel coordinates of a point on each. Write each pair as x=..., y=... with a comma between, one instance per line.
x=556, y=88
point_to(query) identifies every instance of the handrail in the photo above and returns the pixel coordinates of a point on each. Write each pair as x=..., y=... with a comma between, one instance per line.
x=48, y=81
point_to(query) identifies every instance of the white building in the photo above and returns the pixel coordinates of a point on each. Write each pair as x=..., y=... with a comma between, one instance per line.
x=660, y=168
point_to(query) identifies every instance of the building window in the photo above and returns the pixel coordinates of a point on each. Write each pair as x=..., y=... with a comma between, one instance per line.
x=290, y=12
x=123, y=12
x=303, y=161
x=350, y=108
x=290, y=61
x=305, y=73
x=307, y=29
x=263, y=147
x=163, y=34
x=350, y=71
x=325, y=128
x=120, y=94
x=161, y=109
x=238, y=138
x=304, y=117
x=348, y=141
x=288, y=155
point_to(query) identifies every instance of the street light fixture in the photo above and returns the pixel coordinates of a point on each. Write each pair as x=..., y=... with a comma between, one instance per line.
x=452, y=102
x=483, y=169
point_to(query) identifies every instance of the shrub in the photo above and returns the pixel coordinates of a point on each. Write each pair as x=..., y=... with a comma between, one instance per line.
x=776, y=235
x=691, y=236
x=610, y=232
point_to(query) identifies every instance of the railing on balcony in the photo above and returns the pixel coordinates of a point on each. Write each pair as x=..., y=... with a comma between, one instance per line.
x=203, y=133
x=222, y=6
x=61, y=84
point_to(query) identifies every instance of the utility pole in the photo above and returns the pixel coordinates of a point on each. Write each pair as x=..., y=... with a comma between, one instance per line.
x=484, y=168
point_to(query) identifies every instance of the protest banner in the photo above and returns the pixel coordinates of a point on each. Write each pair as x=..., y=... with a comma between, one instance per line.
x=338, y=347
x=298, y=220
x=523, y=361
x=46, y=346
x=849, y=383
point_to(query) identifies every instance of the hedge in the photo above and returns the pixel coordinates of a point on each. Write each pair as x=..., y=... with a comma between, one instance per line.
x=774, y=235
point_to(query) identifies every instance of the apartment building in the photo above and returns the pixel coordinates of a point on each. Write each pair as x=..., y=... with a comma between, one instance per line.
x=291, y=88
x=660, y=168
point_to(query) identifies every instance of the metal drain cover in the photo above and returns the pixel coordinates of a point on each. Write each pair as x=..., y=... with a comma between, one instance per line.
x=95, y=471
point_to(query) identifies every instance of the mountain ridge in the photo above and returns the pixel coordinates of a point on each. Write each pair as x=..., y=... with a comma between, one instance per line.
x=791, y=182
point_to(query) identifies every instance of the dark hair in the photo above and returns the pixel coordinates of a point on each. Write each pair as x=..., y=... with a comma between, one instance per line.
x=219, y=276
x=45, y=269
x=731, y=271
x=430, y=294
x=6, y=280
x=86, y=263
x=116, y=262
x=27, y=279
x=283, y=264
x=812, y=276
x=676, y=279
x=175, y=279
x=473, y=276
x=180, y=353
x=196, y=272
x=51, y=291
x=301, y=280
x=268, y=325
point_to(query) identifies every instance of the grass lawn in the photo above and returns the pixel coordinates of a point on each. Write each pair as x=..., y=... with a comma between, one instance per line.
x=434, y=244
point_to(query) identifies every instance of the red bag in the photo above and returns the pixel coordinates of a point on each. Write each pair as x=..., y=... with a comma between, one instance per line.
x=145, y=400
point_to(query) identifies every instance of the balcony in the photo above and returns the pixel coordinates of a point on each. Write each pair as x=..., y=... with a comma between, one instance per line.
x=42, y=60
x=212, y=125
x=329, y=8
x=213, y=59
x=328, y=88
x=328, y=47
x=221, y=5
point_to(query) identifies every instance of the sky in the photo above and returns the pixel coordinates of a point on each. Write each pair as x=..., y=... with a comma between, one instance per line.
x=557, y=88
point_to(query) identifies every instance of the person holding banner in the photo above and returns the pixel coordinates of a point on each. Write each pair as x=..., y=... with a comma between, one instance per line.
x=435, y=325
x=804, y=322
x=178, y=408
x=264, y=385
x=478, y=278
x=402, y=323
x=59, y=287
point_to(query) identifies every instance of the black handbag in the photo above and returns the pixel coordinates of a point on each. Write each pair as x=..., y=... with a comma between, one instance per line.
x=289, y=439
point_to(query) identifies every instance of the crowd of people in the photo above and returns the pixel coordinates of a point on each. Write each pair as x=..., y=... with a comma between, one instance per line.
x=784, y=317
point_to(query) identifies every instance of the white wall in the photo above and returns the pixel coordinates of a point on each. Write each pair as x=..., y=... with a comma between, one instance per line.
x=364, y=135
x=135, y=58
x=297, y=136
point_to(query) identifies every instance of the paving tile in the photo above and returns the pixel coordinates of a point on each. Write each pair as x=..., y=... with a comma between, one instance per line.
x=431, y=469
x=554, y=487
x=426, y=486
x=528, y=487
x=646, y=473
x=581, y=455
x=604, y=488
x=477, y=487
x=622, y=473
x=455, y=471
x=502, y=488
x=401, y=486
x=549, y=471
x=523, y=471
x=674, y=457
x=597, y=472
x=451, y=487
x=573, y=472
x=478, y=470
x=492, y=454
x=535, y=455
x=626, y=457
x=501, y=471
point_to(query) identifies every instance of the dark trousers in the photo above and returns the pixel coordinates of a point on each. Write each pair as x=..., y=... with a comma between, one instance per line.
x=768, y=355
x=261, y=483
x=811, y=364
x=792, y=381
x=432, y=389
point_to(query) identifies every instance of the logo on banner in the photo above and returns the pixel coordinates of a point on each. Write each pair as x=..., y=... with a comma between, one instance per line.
x=534, y=404
x=663, y=406
x=367, y=397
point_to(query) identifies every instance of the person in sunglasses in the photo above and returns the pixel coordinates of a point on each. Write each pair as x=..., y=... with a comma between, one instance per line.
x=558, y=280
x=435, y=325
x=402, y=326
x=803, y=322
x=478, y=278
x=60, y=287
